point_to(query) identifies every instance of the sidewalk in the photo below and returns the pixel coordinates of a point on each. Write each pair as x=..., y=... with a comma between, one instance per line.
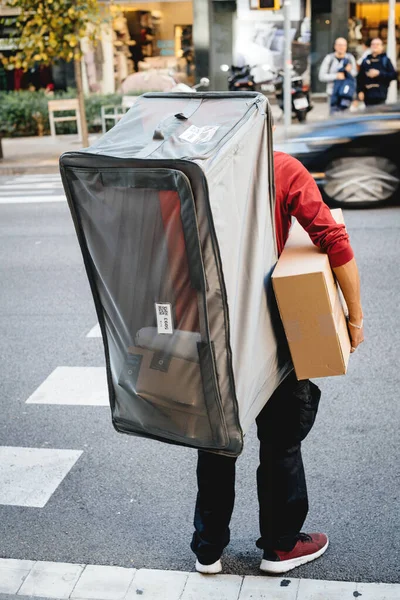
x=41, y=154
x=21, y=579
x=37, y=154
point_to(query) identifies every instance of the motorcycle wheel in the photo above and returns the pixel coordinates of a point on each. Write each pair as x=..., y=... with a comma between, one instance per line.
x=301, y=115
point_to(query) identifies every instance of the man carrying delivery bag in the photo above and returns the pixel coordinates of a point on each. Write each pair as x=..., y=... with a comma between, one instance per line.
x=159, y=204
x=289, y=414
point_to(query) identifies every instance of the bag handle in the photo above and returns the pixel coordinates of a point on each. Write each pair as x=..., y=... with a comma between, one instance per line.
x=168, y=126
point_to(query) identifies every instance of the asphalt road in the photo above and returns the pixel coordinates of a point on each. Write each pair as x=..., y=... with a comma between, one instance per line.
x=129, y=501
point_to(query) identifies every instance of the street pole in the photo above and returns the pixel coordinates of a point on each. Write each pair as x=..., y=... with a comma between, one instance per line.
x=391, y=49
x=287, y=84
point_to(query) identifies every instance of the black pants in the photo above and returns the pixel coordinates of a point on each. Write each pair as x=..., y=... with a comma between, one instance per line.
x=284, y=422
x=374, y=101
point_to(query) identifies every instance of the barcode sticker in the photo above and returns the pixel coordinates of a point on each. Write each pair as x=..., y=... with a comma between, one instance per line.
x=199, y=135
x=164, y=318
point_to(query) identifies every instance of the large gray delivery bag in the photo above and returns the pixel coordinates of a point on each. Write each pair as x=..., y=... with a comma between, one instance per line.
x=174, y=213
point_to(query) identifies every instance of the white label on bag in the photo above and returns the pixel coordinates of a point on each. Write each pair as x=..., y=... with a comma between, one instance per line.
x=164, y=318
x=199, y=135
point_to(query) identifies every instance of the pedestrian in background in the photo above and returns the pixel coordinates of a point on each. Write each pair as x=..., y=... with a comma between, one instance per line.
x=333, y=64
x=366, y=51
x=376, y=73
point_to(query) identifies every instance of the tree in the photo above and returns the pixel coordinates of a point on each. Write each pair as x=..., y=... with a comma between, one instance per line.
x=49, y=30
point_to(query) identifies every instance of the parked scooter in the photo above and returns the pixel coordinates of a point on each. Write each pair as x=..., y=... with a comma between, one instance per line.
x=267, y=80
x=241, y=78
x=301, y=104
x=250, y=78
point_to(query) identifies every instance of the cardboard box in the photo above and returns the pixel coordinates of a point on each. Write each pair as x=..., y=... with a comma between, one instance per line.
x=311, y=308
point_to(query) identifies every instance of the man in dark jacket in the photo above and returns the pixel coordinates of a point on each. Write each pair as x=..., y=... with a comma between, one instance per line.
x=376, y=73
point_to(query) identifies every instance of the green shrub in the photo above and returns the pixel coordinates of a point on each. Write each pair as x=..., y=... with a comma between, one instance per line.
x=17, y=110
x=25, y=113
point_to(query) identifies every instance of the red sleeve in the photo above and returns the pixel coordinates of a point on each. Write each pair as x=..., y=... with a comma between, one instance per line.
x=303, y=200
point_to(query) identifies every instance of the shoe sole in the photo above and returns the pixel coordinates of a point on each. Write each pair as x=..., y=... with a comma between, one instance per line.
x=278, y=567
x=213, y=569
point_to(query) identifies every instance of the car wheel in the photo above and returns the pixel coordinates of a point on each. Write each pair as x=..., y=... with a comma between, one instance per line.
x=361, y=181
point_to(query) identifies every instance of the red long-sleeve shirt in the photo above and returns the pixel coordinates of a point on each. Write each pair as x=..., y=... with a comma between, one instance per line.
x=297, y=195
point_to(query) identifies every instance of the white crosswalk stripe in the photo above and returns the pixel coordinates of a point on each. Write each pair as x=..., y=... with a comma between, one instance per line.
x=30, y=199
x=29, y=476
x=38, y=185
x=31, y=188
x=94, y=332
x=79, y=386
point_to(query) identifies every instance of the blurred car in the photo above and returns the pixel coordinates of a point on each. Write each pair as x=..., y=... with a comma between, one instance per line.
x=354, y=159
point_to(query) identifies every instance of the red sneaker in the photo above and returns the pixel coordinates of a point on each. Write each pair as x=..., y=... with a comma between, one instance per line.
x=308, y=548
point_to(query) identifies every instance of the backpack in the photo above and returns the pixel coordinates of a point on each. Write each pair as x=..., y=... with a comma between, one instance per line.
x=344, y=90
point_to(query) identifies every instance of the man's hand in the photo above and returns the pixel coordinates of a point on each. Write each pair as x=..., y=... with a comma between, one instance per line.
x=356, y=334
x=349, y=281
x=349, y=68
x=361, y=96
x=341, y=76
x=372, y=73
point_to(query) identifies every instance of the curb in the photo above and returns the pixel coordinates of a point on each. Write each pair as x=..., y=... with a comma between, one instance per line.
x=23, y=579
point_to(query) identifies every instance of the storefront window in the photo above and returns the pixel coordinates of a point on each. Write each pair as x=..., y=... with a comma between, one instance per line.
x=369, y=20
x=150, y=35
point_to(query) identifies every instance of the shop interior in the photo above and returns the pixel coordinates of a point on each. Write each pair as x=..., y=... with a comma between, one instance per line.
x=153, y=35
x=369, y=20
